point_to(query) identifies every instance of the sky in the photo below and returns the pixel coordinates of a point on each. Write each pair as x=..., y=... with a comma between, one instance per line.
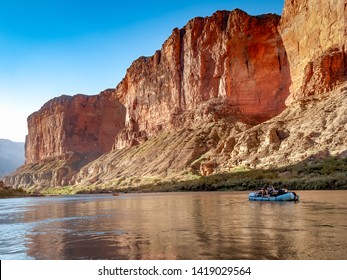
x=54, y=47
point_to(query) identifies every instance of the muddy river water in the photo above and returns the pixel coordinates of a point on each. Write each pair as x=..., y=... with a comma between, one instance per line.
x=210, y=225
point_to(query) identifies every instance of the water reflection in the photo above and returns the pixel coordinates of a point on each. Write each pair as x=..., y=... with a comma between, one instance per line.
x=174, y=226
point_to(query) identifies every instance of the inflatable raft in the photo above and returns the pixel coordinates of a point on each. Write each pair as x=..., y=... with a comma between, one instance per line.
x=289, y=196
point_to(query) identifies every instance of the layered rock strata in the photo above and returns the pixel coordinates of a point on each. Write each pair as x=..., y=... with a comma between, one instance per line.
x=314, y=35
x=67, y=133
x=81, y=124
x=230, y=56
x=297, y=134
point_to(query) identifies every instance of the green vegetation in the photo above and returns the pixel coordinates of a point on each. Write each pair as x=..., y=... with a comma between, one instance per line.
x=321, y=174
x=59, y=190
x=70, y=190
x=312, y=174
x=9, y=192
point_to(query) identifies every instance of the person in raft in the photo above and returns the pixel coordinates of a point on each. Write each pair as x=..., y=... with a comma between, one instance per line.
x=267, y=191
x=263, y=191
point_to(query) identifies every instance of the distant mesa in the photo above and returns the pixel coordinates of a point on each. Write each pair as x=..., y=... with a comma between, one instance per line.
x=11, y=156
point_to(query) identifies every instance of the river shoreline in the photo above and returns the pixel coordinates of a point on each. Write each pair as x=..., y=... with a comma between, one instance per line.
x=176, y=225
x=319, y=174
x=313, y=174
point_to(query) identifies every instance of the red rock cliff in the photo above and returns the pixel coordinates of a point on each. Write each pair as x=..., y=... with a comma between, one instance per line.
x=314, y=35
x=231, y=57
x=86, y=125
x=208, y=80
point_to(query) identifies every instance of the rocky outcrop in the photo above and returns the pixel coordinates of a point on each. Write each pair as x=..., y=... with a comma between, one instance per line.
x=65, y=134
x=168, y=155
x=231, y=57
x=297, y=134
x=314, y=35
x=80, y=124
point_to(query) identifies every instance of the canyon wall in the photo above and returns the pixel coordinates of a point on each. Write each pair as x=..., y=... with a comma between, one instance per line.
x=67, y=133
x=233, y=58
x=86, y=125
x=312, y=62
x=314, y=35
x=212, y=99
x=304, y=131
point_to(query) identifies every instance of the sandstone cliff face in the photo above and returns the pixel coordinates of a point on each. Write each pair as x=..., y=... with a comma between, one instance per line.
x=231, y=56
x=79, y=124
x=65, y=134
x=314, y=36
x=297, y=134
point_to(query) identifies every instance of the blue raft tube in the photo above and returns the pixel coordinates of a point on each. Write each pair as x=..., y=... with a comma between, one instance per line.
x=279, y=196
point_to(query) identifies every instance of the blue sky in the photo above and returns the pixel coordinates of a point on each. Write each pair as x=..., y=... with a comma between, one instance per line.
x=54, y=47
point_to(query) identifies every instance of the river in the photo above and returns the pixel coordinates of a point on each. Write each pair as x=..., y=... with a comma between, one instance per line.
x=206, y=225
